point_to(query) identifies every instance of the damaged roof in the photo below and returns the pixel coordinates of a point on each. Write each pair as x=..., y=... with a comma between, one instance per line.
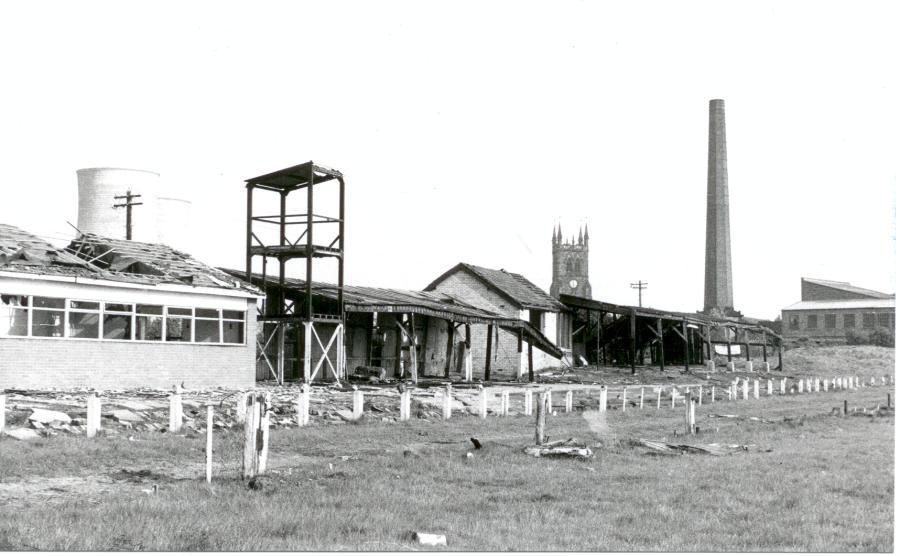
x=433, y=304
x=101, y=258
x=514, y=287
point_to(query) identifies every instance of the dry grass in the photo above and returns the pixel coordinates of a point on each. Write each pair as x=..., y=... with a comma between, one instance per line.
x=815, y=482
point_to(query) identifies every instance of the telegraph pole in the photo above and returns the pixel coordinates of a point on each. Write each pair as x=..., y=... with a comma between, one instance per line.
x=640, y=287
x=127, y=204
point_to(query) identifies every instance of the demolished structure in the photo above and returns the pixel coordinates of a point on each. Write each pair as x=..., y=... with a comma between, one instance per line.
x=106, y=313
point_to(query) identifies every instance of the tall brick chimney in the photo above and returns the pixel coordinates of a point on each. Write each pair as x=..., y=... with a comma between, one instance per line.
x=718, y=295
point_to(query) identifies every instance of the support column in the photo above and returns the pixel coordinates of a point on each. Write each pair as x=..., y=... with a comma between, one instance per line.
x=487, y=359
x=413, y=352
x=307, y=352
x=451, y=334
x=530, y=363
x=660, y=351
x=520, y=366
x=765, y=347
x=687, y=346
x=728, y=341
x=632, y=333
x=468, y=355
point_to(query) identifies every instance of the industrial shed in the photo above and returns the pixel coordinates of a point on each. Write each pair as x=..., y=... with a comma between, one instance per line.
x=411, y=334
x=830, y=310
x=622, y=335
x=109, y=313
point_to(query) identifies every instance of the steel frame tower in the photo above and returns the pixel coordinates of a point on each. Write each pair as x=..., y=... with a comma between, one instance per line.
x=278, y=312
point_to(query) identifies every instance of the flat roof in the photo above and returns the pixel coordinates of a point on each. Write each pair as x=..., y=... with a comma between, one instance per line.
x=295, y=177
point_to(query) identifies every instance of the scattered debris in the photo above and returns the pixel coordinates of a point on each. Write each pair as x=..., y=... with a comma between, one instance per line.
x=715, y=449
x=46, y=416
x=430, y=539
x=560, y=448
x=22, y=434
x=741, y=418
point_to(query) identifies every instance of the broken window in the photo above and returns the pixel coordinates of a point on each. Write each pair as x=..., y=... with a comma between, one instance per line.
x=13, y=315
x=178, y=324
x=118, y=319
x=84, y=319
x=47, y=317
x=795, y=322
x=149, y=323
x=233, y=327
x=206, y=324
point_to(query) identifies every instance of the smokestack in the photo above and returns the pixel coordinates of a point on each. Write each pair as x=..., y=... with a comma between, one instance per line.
x=718, y=295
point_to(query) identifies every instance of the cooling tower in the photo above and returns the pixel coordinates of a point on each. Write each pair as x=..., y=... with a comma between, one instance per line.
x=173, y=222
x=97, y=192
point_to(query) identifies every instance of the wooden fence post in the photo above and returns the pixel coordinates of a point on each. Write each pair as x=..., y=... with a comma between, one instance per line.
x=825, y=385
x=624, y=397
x=755, y=389
x=529, y=402
x=674, y=393
x=175, y=411
x=209, y=431
x=769, y=387
x=250, y=464
x=358, y=402
x=800, y=386
x=884, y=381
x=482, y=402
x=816, y=384
x=658, y=397
x=448, y=401
x=540, y=421
x=569, y=401
x=689, y=415
x=700, y=395
x=603, y=394
x=548, y=401
x=264, y=418
x=240, y=407
x=93, y=415
x=404, y=405
x=712, y=395
x=872, y=381
x=856, y=378
x=504, y=403
x=302, y=406
x=745, y=389
x=642, y=398
x=783, y=385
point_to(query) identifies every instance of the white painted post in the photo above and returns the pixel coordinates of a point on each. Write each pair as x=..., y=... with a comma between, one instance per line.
x=746, y=389
x=800, y=386
x=809, y=386
x=2, y=412
x=769, y=387
x=748, y=366
x=825, y=385
x=816, y=384
x=548, y=399
x=358, y=403
x=624, y=397
x=482, y=402
x=504, y=403
x=528, y=402
x=448, y=400
x=467, y=361
x=884, y=381
x=405, y=398
x=658, y=397
x=710, y=366
x=642, y=398
x=783, y=385
x=603, y=393
x=700, y=396
x=93, y=415
x=209, y=431
x=689, y=416
x=674, y=393
x=856, y=378
x=872, y=381
x=712, y=395
x=302, y=406
x=766, y=367
x=755, y=389
x=175, y=411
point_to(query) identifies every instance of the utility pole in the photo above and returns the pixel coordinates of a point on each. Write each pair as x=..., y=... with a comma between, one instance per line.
x=640, y=287
x=127, y=204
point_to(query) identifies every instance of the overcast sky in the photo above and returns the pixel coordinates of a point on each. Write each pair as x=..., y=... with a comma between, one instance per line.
x=468, y=130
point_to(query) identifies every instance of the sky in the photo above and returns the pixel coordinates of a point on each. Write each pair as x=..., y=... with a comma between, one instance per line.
x=467, y=130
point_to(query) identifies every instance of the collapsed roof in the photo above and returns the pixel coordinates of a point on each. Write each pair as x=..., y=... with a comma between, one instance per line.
x=101, y=258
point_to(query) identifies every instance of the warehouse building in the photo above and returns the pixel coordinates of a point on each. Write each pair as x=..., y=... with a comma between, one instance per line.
x=110, y=314
x=831, y=310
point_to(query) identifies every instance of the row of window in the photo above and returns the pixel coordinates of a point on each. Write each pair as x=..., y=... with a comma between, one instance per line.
x=53, y=317
x=869, y=320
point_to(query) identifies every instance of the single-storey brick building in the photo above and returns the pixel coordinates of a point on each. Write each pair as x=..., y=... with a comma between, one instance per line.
x=514, y=296
x=830, y=310
x=108, y=313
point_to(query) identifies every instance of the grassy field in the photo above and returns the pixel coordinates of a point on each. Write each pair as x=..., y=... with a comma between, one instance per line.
x=809, y=481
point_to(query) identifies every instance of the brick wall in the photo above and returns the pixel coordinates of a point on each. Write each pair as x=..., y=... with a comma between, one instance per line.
x=820, y=331
x=74, y=363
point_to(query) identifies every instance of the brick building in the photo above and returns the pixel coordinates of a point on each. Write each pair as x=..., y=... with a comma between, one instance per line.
x=829, y=310
x=511, y=295
x=107, y=313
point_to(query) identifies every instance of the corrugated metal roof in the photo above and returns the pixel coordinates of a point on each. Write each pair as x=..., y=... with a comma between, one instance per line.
x=513, y=286
x=842, y=304
x=847, y=287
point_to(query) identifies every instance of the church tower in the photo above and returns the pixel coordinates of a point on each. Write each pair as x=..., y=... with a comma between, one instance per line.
x=570, y=265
